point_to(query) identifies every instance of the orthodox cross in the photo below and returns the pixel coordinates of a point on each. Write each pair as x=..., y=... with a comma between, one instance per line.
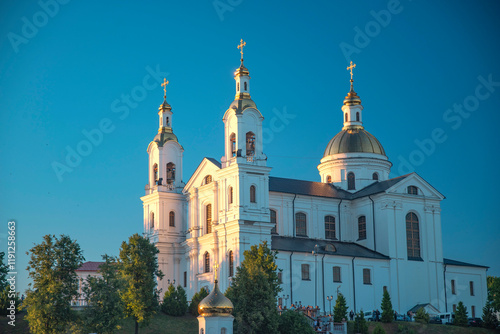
x=351, y=67
x=164, y=85
x=216, y=266
x=240, y=46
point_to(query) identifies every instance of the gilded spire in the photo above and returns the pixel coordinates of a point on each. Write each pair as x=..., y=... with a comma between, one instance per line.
x=352, y=98
x=240, y=46
x=242, y=70
x=165, y=104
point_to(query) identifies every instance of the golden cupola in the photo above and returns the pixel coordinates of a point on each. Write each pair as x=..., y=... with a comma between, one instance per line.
x=215, y=304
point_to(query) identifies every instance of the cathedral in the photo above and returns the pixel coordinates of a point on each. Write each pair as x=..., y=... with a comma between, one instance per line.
x=356, y=231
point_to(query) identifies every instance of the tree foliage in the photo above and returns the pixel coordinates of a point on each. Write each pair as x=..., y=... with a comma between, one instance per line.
x=460, y=315
x=197, y=298
x=4, y=269
x=52, y=269
x=139, y=269
x=494, y=292
x=175, y=301
x=360, y=325
x=254, y=291
x=340, y=309
x=292, y=322
x=378, y=330
x=387, y=311
x=422, y=316
x=105, y=309
x=489, y=318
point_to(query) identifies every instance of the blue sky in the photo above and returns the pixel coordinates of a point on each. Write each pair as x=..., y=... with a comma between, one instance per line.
x=69, y=69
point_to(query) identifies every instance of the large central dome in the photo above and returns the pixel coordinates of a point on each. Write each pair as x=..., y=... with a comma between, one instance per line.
x=354, y=140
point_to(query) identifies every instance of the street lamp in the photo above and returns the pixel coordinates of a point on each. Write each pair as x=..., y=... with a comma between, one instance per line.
x=338, y=290
x=315, y=253
x=329, y=298
x=286, y=298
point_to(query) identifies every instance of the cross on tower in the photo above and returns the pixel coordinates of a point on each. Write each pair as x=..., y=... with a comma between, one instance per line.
x=240, y=46
x=216, y=266
x=164, y=85
x=351, y=67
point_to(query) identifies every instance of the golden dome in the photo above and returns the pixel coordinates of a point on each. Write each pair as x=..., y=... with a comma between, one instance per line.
x=352, y=98
x=354, y=139
x=242, y=70
x=215, y=304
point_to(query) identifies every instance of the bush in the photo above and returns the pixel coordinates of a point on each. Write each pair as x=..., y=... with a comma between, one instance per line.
x=360, y=325
x=387, y=311
x=294, y=322
x=5, y=301
x=489, y=318
x=405, y=329
x=422, y=316
x=460, y=315
x=378, y=330
x=340, y=310
x=197, y=298
x=175, y=301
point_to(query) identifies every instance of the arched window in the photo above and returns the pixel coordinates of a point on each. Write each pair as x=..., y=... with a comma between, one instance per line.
x=232, y=142
x=301, y=224
x=202, y=331
x=412, y=190
x=375, y=176
x=223, y=330
x=357, y=117
x=330, y=227
x=152, y=220
x=246, y=86
x=206, y=262
x=336, y=275
x=252, y=194
x=208, y=213
x=351, y=181
x=250, y=144
x=230, y=195
x=155, y=172
x=362, y=228
x=171, y=218
x=208, y=179
x=168, y=121
x=412, y=236
x=170, y=173
x=346, y=117
x=328, y=179
x=274, y=230
x=231, y=264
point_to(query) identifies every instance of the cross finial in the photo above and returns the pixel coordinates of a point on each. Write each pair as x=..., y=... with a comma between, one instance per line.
x=351, y=67
x=164, y=85
x=216, y=266
x=240, y=46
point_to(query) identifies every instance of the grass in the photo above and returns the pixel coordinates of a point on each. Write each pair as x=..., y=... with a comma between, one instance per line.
x=419, y=328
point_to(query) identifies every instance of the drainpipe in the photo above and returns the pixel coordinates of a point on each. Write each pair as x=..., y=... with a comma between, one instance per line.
x=373, y=218
x=338, y=209
x=445, y=299
x=293, y=213
x=291, y=289
x=323, y=280
x=353, y=285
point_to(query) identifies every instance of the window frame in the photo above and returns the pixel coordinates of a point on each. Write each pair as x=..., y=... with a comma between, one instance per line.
x=453, y=288
x=375, y=176
x=330, y=233
x=170, y=173
x=274, y=230
x=304, y=221
x=208, y=218
x=171, y=218
x=337, y=275
x=413, y=248
x=305, y=272
x=231, y=263
x=253, y=194
x=362, y=233
x=250, y=144
x=206, y=262
x=230, y=195
x=367, y=276
x=471, y=288
x=412, y=190
x=351, y=181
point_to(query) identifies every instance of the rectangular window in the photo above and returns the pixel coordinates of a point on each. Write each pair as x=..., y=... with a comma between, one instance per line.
x=453, y=287
x=471, y=285
x=362, y=228
x=366, y=276
x=305, y=272
x=330, y=227
x=280, y=278
x=336, y=275
x=473, y=311
x=454, y=307
x=280, y=301
x=274, y=221
x=185, y=279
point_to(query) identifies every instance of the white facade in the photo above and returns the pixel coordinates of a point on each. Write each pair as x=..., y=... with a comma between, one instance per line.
x=368, y=232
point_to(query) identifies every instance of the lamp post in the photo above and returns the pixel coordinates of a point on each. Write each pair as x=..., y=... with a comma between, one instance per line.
x=315, y=253
x=286, y=298
x=329, y=298
x=338, y=290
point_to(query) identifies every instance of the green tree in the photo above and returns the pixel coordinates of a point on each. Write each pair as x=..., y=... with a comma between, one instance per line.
x=494, y=292
x=340, y=309
x=175, y=301
x=4, y=269
x=52, y=269
x=489, y=318
x=378, y=330
x=291, y=322
x=105, y=309
x=6, y=295
x=387, y=311
x=254, y=291
x=360, y=325
x=460, y=315
x=197, y=298
x=139, y=270
x=422, y=316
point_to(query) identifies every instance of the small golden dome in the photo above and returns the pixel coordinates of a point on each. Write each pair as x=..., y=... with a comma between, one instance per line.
x=354, y=139
x=352, y=98
x=242, y=71
x=215, y=304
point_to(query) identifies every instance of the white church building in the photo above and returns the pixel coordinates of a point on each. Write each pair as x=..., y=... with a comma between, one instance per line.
x=355, y=231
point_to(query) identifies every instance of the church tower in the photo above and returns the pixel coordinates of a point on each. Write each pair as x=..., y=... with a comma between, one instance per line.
x=164, y=204
x=354, y=158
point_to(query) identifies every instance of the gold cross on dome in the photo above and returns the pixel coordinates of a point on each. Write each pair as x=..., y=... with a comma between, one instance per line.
x=240, y=46
x=216, y=266
x=351, y=67
x=164, y=85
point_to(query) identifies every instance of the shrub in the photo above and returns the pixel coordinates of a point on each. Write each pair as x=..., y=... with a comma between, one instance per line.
x=175, y=301
x=387, y=311
x=378, y=330
x=294, y=322
x=422, y=316
x=460, y=315
x=197, y=298
x=360, y=325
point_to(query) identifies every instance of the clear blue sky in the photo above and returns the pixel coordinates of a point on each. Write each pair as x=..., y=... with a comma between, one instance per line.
x=64, y=73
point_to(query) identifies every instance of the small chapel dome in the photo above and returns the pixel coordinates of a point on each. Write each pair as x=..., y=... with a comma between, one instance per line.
x=163, y=137
x=215, y=304
x=354, y=140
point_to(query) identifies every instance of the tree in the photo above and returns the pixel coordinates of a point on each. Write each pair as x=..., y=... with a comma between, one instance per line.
x=340, y=309
x=360, y=325
x=422, y=316
x=489, y=318
x=378, y=330
x=291, y=322
x=254, y=291
x=7, y=296
x=494, y=292
x=105, y=309
x=387, y=311
x=139, y=269
x=175, y=301
x=4, y=269
x=52, y=269
x=197, y=298
x=460, y=315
